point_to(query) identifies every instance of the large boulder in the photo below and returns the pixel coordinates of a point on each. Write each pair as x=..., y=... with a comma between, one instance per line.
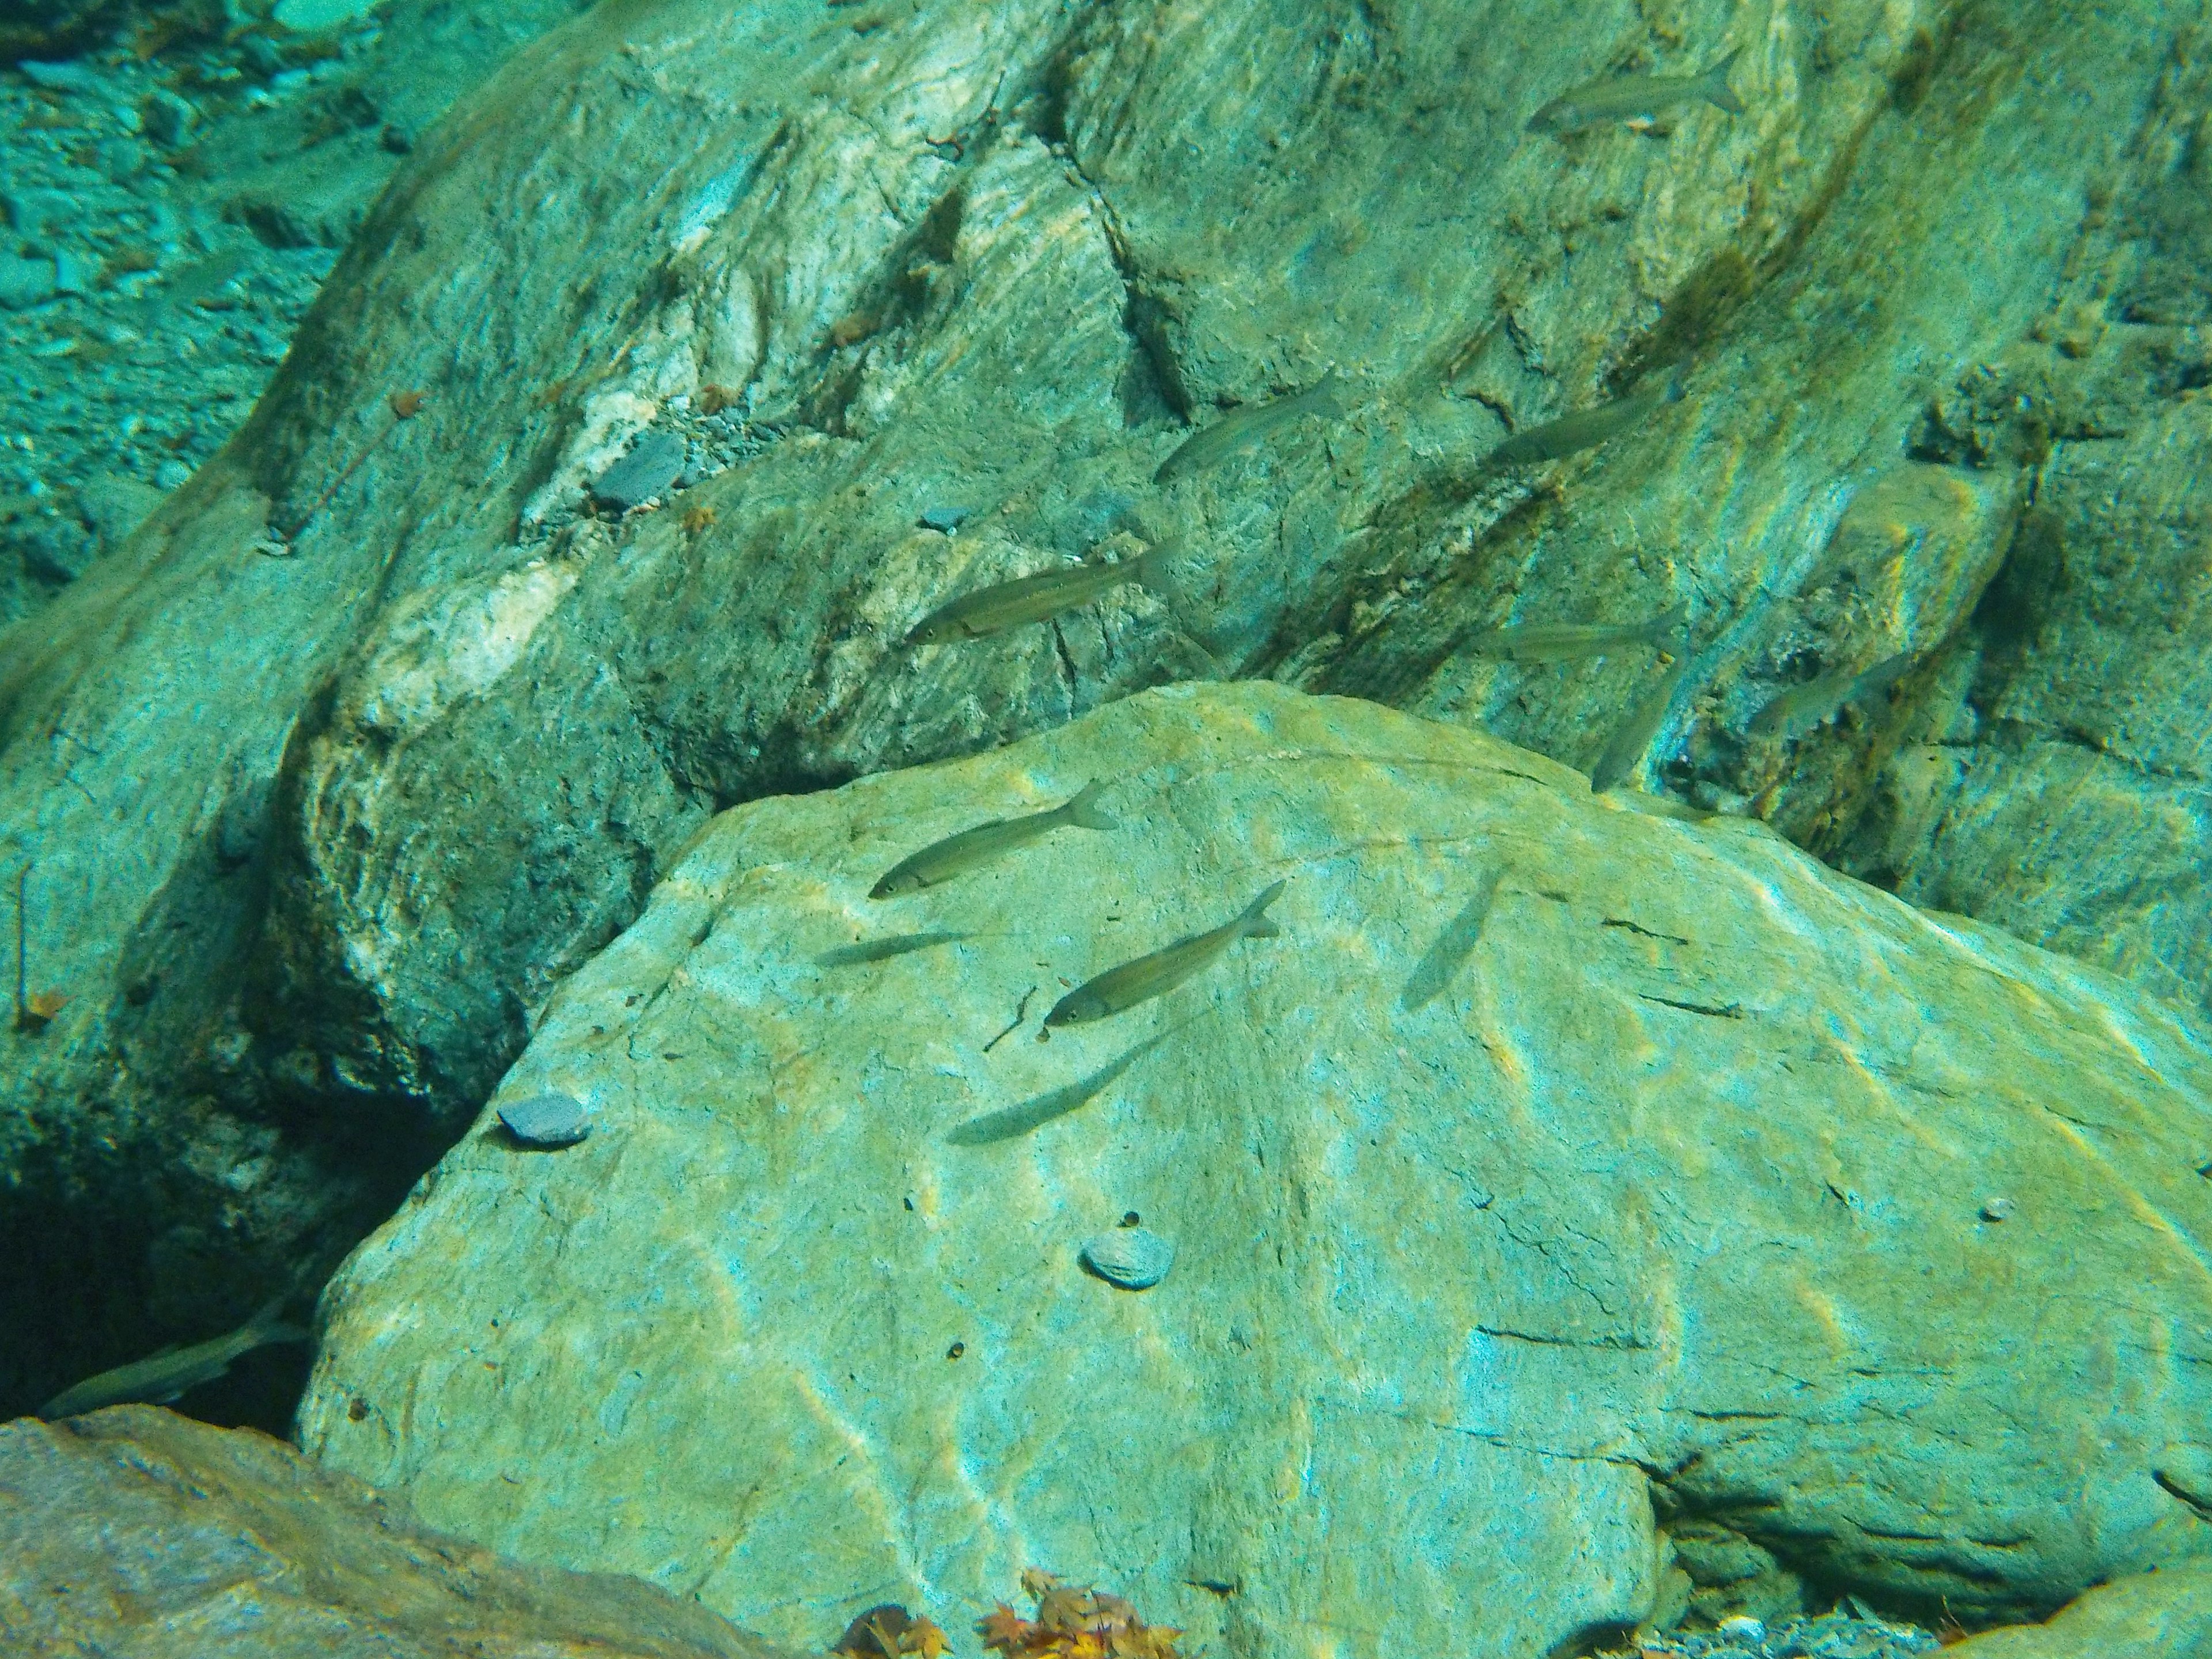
x=135, y=1532
x=367, y=737
x=1694, y=1205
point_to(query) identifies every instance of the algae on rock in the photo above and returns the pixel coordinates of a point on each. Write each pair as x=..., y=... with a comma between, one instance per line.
x=1681, y=1187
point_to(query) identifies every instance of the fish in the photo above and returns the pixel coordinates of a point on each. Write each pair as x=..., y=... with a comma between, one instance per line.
x=1452, y=948
x=883, y=950
x=941, y=861
x=1011, y=1121
x=1119, y=989
x=169, y=1374
x=1636, y=97
x=1802, y=707
x=1633, y=735
x=1250, y=424
x=1585, y=428
x=1002, y=605
x=1565, y=641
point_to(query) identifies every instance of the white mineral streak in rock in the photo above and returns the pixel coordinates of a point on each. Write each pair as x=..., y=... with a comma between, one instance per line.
x=461, y=648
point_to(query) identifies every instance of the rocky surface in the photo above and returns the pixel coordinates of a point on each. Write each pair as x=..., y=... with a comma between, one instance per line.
x=2151, y=1614
x=380, y=726
x=1722, y=1227
x=136, y=1534
x=174, y=199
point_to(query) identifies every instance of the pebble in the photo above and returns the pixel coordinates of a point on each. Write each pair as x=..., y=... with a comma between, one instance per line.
x=1831, y=1635
x=947, y=518
x=1997, y=1209
x=69, y=76
x=546, y=1119
x=1133, y=1258
x=647, y=471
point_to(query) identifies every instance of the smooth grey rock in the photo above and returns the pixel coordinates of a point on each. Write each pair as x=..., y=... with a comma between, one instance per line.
x=66, y=75
x=547, y=1119
x=1133, y=1258
x=944, y=518
x=652, y=466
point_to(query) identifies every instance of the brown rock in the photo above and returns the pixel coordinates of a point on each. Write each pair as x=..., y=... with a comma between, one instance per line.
x=135, y=1531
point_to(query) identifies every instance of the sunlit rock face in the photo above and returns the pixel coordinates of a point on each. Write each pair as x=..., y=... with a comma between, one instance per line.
x=1683, y=1186
x=367, y=737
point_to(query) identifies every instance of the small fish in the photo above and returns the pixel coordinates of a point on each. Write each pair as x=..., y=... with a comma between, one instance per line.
x=1802, y=707
x=1002, y=605
x=1565, y=641
x=883, y=950
x=167, y=1376
x=1637, y=98
x=1634, y=734
x=941, y=861
x=1453, y=947
x=1011, y=1121
x=1248, y=425
x=1119, y=989
x=1585, y=428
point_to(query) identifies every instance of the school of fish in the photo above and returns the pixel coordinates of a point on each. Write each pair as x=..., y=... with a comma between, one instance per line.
x=980, y=613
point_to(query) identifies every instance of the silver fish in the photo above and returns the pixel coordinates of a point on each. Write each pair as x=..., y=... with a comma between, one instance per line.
x=1452, y=948
x=1637, y=98
x=1002, y=605
x=166, y=1376
x=1565, y=641
x=1634, y=734
x=1802, y=707
x=1011, y=1121
x=883, y=950
x=1248, y=425
x=1119, y=989
x=1585, y=428
x=941, y=861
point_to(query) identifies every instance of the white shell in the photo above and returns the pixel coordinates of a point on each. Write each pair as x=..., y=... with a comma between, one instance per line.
x=546, y=1119
x=1134, y=1258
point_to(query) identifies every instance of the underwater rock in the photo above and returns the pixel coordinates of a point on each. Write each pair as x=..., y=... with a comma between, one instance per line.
x=1133, y=1258
x=1019, y=255
x=647, y=471
x=546, y=1119
x=137, y=1531
x=2167, y=1614
x=1668, y=1197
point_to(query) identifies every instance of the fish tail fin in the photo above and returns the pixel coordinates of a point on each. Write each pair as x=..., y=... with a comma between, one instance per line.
x=1714, y=85
x=1255, y=922
x=1670, y=630
x=1083, y=811
x=268, y=1324
x=1155, y=575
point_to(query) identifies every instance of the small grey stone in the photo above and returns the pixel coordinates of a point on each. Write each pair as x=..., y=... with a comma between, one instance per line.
x=168, y=118
x=647, y=471
x=546, y=1119
x=59, y=77
x=25, y=282
x=1133, y=1258
x=121, y=159
x=70, y=274
x=1997, y=1209
x=947, y=518
x=170, y=474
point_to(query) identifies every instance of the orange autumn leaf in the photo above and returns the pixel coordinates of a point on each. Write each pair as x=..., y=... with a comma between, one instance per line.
x=45, y=1005
x=923, y=1637
x=1005, y=1629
